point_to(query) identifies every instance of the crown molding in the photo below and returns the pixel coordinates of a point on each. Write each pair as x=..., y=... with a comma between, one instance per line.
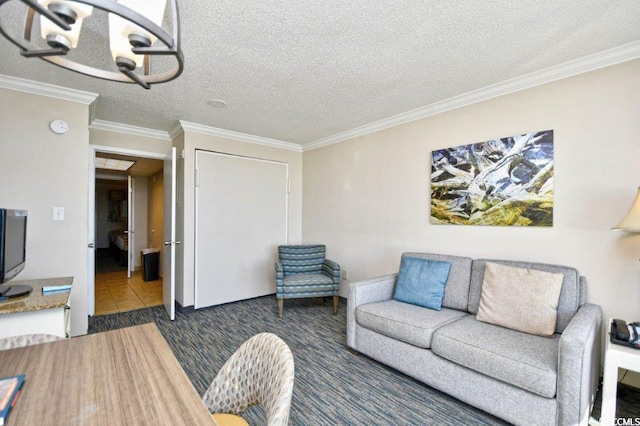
x=176, y=130
x=129, y=130
x=617, y=55
x=236, y=136
x=44, y=89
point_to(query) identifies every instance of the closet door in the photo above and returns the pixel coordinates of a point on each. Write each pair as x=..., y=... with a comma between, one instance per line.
x=241, y=218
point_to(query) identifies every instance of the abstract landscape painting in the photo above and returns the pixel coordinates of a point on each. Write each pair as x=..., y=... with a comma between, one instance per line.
x=504, y=182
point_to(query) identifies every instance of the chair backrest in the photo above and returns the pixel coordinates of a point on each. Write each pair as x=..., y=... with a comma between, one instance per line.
x=261, y=372
x=302, y=259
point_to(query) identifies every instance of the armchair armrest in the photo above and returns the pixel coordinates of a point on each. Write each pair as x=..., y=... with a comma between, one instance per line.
x=331, y=269
x=279, y=273
x=579, y=365
x=363, y=292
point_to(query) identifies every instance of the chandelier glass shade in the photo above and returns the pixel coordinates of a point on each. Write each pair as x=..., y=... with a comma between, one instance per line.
x=135, y=36
x=49, y=30
x=123, y=33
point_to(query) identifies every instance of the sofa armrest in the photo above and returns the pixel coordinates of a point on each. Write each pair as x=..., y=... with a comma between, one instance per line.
x=363, y=292
x=579, y=365
x=332, y=270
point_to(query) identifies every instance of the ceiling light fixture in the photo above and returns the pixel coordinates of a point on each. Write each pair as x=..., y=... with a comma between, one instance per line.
x=134, y=26
x=113, y=164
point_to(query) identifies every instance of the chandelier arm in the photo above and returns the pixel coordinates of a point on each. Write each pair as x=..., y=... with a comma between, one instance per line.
x=176, y=24
x=6, y=35
x=153, y=50
x=134, y=77
x=28, y=24
x=169, y=75
x=56, y=51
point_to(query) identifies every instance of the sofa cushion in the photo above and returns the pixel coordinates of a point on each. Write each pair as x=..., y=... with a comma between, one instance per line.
x=569, y=300
x=456, y=291
x=421, y=282
x=520, y=298
x=524, y=360
x=408, y=323
x=307, y=283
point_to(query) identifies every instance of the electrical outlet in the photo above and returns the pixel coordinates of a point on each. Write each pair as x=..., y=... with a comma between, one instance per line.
x=345, y=274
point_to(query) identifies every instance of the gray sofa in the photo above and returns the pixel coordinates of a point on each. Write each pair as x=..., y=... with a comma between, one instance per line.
x=522, y=378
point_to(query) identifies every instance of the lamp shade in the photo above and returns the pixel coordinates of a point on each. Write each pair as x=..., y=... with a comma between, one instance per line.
x=48, y=28
x=120, y=29
x=631, y=221
x=119, y=41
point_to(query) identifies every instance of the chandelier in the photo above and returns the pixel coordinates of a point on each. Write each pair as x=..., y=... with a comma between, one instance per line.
x=135, y=36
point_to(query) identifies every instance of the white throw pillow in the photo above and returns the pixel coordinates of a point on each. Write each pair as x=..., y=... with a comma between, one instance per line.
x=519, y=298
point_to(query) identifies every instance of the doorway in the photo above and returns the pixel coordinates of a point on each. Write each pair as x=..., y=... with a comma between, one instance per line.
x=128, y=217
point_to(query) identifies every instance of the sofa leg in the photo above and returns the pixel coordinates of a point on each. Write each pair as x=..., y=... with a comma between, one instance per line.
x=335, y=305
x=280, y=307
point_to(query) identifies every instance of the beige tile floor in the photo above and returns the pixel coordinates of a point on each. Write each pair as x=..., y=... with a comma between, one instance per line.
x=115, y=293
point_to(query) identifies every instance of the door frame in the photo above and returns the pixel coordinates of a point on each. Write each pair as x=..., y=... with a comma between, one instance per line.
x=170, y=186
x=91, y=239
x=131, y=222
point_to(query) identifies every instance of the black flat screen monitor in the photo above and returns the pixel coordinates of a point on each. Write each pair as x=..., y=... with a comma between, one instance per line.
x=13, y=242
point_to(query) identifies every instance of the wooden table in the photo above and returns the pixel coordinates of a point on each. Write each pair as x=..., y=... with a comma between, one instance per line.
x=127, y=376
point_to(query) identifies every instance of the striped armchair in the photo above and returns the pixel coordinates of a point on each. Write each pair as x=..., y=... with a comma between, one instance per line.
x=303, y=271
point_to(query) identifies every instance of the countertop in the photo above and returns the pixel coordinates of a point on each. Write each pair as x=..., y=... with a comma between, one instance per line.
x=36, y=301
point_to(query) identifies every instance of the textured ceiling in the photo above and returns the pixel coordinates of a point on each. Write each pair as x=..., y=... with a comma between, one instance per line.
x=303, y=70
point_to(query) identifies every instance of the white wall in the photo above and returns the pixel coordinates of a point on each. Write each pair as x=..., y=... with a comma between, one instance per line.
x=40, y=170
x=128, y=142
x=367, y=199
x=185, y=221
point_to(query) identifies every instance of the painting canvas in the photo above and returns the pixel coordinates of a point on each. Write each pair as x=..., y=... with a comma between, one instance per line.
x=117, y=206
x=504, y=182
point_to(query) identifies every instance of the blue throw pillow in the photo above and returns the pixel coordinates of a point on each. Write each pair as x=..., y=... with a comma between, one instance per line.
x=421, y=282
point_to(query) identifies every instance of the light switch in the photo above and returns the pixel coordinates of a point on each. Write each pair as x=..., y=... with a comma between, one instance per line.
x=58, y=213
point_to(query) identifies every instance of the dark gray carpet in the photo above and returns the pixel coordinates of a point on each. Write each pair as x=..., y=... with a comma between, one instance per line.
x=334, y=386
x=627, y=407
x=105, y=262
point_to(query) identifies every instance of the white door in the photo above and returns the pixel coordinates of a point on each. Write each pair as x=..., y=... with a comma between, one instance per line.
x=241, y=218
x=91, y=235
x=130, y=225
x=169, y=232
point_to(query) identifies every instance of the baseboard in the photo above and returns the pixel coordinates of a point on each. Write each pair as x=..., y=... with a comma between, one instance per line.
x=184, y=309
